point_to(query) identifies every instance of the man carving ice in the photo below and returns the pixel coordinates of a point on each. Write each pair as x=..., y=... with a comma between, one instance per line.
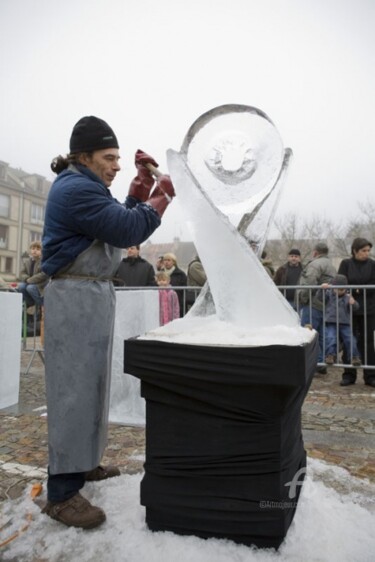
x=85, y=229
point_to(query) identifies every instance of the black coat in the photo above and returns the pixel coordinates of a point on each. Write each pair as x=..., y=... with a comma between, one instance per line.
x=179, y=279
x=360, y=273
x=136, y=272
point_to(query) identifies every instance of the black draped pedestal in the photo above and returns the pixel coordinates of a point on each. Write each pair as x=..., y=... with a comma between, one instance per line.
x=223, y=437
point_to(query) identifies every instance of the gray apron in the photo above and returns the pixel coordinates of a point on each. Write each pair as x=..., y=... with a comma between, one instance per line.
x=79, y=321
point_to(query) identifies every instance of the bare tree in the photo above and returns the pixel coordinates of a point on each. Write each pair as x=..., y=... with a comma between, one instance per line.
x=298, y=232
x=364, y=225
x=302, y=233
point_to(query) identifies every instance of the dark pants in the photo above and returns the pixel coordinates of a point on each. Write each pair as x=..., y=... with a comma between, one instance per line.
x=61, y=487
x=362, y=337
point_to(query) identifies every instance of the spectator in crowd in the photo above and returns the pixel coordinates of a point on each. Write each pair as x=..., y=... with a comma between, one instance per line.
x=177, y=276
x=338, y=313
x=289, y=274
x=84, y=231
x=169, y=308
x=318, y=271
x=265, y=261
x=196, y=277
x=267, y=264
x=360, y=270
x=159, y=263
x=32, y=278
x=135, y=271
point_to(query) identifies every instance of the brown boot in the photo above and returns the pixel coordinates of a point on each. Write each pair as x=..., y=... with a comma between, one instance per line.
x=330, y=359
x=75, y=512
x=102, y=473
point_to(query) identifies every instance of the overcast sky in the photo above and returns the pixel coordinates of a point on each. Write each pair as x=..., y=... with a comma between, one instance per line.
x=151, y=68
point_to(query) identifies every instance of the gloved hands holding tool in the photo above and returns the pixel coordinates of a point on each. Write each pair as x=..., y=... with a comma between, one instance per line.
x=141, y=186
x=162, y=194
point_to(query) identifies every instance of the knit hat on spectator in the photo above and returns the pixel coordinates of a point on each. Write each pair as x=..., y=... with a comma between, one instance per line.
x=339, y=280
x=294, y=252
x=91, y=133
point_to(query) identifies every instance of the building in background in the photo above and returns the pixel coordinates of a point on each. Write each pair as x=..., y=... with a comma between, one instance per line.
x=22, y=204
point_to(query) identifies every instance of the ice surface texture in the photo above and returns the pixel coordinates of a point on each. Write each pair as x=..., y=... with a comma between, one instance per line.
x=136, y=312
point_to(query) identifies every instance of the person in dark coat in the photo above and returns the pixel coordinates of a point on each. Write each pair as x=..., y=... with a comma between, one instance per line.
x=32, y=279
x=84, y=231
x=178, y=277
x=135, y=271
x=360, y=270
x=289, y=274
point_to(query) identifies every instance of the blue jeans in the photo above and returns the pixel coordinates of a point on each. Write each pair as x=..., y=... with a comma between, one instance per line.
x=348, y=339
x=314, y=317
x=31, y=294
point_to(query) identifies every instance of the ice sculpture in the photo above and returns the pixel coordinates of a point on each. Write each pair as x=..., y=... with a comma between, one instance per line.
x=228, y=177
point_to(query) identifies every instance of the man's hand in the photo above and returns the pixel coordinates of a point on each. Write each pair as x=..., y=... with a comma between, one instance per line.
x=141, y=159
x=162, y=195
x=142, y=184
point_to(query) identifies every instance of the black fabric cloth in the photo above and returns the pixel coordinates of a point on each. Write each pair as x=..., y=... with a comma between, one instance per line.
x=135, y=272
x=223, y=436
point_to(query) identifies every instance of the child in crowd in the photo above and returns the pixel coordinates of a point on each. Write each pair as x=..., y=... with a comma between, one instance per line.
x=337, y=321
x=168, y=300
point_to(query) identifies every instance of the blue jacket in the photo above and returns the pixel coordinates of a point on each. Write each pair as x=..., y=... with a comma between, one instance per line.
x=338, y=308
x=81, y=209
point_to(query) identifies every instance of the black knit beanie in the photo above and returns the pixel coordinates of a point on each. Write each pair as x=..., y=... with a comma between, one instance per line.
x=91, y=133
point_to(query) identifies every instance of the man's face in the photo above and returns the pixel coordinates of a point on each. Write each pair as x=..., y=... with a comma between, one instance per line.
x=35, y=252
x=104, y=163
x=132, y=252
x=294, y=260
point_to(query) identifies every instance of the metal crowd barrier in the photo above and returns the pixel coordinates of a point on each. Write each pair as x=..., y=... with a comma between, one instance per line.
x=352, y=291
x=33, y=324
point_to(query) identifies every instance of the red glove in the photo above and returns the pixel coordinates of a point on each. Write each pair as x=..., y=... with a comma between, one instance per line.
x=141, y=159
x=162, y=195
x=142, y=184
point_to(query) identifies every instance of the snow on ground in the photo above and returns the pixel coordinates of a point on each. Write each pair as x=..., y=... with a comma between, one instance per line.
x=328, y=527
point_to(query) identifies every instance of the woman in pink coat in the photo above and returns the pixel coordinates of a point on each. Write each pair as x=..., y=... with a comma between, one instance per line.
x=169, y=308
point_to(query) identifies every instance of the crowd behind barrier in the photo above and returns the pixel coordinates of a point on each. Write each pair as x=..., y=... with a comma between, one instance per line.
x=32, y=324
